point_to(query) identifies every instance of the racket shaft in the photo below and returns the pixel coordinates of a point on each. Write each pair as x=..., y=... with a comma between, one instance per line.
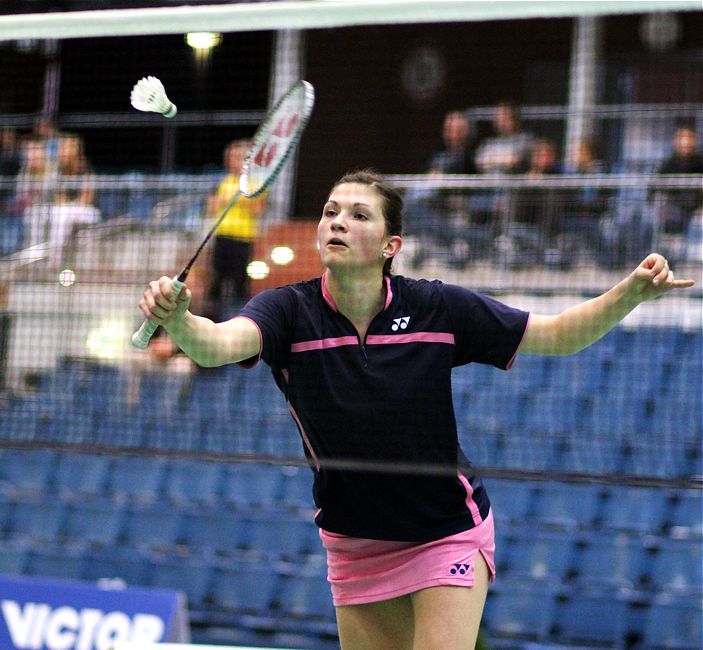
x=141, y=338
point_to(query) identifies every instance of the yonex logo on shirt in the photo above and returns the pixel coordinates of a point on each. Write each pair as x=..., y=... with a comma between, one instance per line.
x=459, y=568
x=400, y=323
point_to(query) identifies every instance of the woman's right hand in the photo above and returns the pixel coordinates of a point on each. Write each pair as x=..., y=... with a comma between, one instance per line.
x=160, y=305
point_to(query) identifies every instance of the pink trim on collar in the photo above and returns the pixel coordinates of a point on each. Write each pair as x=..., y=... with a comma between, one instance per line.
x=330, y=301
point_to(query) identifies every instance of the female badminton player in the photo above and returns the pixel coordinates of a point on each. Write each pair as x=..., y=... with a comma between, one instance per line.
x=364, y=360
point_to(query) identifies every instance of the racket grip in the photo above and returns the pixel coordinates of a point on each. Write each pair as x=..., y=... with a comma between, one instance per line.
x=141, y=338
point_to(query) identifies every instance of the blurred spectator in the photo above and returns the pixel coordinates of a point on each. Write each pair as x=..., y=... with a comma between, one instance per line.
x=45, y=130
x=509, y=149
x=56, y=198
x=583, y=206
x=534, y=213
x=679, y=205
x=587, y=158
x=234, y=238
x=10, y=164
x=76, y=182
x=435, y=217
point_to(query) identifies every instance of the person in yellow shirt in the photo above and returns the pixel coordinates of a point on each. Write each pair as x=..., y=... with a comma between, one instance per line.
x=234, y=238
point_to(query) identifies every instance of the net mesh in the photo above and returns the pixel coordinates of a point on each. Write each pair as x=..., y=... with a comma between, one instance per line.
x=97, y=199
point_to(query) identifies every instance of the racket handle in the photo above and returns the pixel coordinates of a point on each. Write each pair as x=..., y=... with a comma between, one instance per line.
x=141, y=338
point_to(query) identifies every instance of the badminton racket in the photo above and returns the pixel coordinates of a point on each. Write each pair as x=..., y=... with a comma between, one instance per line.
x=272, y=143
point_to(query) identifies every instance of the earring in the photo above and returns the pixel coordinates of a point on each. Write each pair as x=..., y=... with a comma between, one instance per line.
x=384, y=254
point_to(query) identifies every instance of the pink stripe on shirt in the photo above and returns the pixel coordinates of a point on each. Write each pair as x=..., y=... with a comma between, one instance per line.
x=470, y=503
x=324, y=344
x=414, y=337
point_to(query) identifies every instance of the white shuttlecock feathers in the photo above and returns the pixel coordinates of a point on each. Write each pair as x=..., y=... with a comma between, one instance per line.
x=149, y=95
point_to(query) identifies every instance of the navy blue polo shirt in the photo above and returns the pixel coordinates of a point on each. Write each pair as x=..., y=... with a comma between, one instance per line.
x=386, y=401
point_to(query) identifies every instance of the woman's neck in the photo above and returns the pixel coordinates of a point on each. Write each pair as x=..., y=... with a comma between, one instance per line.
x=359, y=296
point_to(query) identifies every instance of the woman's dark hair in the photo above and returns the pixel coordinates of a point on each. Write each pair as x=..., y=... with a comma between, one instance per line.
x=392, y=202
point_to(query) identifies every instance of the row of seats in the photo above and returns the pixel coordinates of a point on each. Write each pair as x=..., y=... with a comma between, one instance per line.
x=206, y=487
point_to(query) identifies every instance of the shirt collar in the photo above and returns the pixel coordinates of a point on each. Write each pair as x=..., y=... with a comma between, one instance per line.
x=330, y=301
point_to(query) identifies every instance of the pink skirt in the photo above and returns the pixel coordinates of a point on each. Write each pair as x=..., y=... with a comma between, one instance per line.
x=369, y=570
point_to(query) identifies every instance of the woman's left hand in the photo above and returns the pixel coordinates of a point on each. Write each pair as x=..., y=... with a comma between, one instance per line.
x=653, y=278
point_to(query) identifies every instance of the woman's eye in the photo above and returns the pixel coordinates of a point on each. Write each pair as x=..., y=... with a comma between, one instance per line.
x=361, y=216
x=329, y=213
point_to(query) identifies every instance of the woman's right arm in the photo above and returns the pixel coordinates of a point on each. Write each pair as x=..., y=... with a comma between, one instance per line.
x=207, y=343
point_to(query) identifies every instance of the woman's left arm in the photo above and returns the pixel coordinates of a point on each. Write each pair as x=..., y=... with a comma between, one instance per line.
x=578, y=327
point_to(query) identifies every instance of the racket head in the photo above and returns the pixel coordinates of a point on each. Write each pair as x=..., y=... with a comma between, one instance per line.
x=276, y=138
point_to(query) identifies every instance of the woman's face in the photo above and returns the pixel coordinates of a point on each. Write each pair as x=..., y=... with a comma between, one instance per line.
x=352, y=229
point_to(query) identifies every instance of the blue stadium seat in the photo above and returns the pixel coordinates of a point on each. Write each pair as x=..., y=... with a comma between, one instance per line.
x=82, y=475
x=19, y=420
x=97, y=522
x=566, y=506
x=272, y=538
x=55, y=562
x=520, y=610
x=249, y=486
x=117, y=563
x=615, y=414
x=245, y=588
x=593, y=617
x=687, y=515
x=13, y=558
x=26, y=472
x=213, y=533
x=156, y=528
x=138, y=479
x=296, y=491
x=180, y=432
x=38, y=522
x=307, y=596
x=540, y=558
x=637, y=510
x=676, y=568
x=614, y=561
x=193, y=483
x=119, y=429
x=511, y=501
x=192, y=576
x=674, y=623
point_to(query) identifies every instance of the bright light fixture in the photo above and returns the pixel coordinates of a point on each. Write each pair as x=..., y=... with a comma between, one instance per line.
x=282, y=255
x=203, y=40
x=257, y=270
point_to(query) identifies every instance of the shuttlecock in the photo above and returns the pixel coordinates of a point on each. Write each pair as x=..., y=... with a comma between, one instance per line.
x=149, y=95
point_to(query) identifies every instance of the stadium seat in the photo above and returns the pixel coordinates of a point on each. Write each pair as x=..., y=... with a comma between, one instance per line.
x=296, y=490
x=155, y=528
x=674, y=623
x=82, y=475
x=275, y=537
x=613, y=561
x=252, y=487
x=637, y=510
x=38, y=522
x=13, y=558
x=540, y=558
x=26, y=472
x=687, y=515
x=137, y=479
x=55, y=562
x=192, y=576
x=676, y=568
x=215, y=533
x=307, y=596
x=245, y=588
x=193, y=483
x=119, y=429
x=566, y=506
x=597, y=617
x=520, y=610
x=511, y=501
x=117, y=563
x=94, y=523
